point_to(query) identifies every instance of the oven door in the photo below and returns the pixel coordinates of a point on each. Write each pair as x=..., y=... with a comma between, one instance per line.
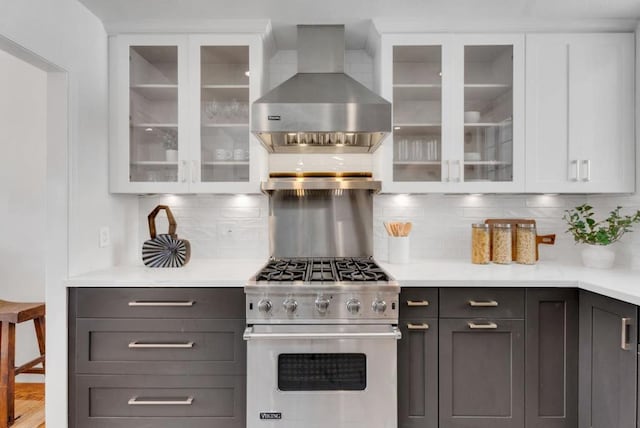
x=319, y=376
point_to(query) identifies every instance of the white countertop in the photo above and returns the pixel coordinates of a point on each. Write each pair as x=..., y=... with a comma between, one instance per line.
x=622, y=284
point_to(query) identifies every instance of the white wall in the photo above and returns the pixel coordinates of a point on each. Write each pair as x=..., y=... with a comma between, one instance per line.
x=23, y=119
x=66, y=34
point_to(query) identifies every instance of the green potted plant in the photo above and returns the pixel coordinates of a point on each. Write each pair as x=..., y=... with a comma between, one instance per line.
x=598, y=235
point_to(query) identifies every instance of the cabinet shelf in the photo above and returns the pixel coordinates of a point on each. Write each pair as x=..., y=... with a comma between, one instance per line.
x=154, y=163
x=417, y=162
x=482, y=124
x=225, y=125
x=154, y=125
x=156, y=92
x=225, y=86
x=407, y=129
x=495, y=163
x=225, y=163
x=485, y=91
x=417, y=85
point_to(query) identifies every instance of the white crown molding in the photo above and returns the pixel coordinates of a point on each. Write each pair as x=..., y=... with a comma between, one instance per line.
x=538, y=25
x=260, y=26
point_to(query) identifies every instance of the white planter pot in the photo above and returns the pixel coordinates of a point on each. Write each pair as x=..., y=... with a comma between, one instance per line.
x=598, y=256
x=171, y=155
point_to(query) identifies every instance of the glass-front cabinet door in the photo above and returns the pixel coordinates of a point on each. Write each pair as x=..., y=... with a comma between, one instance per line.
x=224, y=113
x=488, y=113
x=148, y=113
x=180, y=113
x=458, y=113
x=417, y=113
x=224, y=84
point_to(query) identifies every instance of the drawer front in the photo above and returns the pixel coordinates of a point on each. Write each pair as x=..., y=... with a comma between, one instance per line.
x=419, y=303
x=482, y=303
x=160, y=401
x=160, y=303
x=160, y=346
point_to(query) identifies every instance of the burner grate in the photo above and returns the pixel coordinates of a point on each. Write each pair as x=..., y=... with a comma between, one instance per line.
x=322, y=269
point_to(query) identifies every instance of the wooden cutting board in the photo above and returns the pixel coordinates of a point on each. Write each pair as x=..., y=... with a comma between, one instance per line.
x=540, y=239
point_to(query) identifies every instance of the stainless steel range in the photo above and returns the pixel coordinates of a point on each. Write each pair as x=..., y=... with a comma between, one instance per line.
x=321, y=349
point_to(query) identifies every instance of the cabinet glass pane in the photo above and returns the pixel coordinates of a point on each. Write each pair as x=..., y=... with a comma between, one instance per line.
x=224, y=113
x=417, y=113
x=153, y=113
x=488, y=113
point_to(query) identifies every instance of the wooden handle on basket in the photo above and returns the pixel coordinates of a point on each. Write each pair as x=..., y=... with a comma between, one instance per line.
x=152, y=221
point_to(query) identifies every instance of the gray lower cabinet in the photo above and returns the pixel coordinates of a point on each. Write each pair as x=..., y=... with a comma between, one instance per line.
x=157, y=357
x=418, y=373
x=160, y=401
x=481, y=373
x=608, y=362
x=551, y=358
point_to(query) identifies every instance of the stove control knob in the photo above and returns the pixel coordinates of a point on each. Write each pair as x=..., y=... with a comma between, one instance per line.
x=290, y=306
x=379, y=306
x=322, y=304
x=265, y=306
x=353, y=306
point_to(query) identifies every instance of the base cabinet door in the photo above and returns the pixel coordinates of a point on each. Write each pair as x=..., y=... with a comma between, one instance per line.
x=418, y=374
x=551, y=358
x=608, y=362
x=481, y=373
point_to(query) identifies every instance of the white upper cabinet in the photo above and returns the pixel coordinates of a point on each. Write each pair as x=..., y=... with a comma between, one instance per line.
x=179, y=113
x=580, y=113
x=458, y=113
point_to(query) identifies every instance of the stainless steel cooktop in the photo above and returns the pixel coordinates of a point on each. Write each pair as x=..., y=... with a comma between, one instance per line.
x=322, y=290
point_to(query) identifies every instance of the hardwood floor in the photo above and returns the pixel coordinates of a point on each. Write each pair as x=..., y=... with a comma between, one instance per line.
x=29, y=405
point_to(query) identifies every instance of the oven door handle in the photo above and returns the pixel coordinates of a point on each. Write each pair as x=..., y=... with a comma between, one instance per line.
x=393, y=333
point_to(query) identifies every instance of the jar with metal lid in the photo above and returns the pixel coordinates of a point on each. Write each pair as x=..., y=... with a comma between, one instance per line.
x=502, y=246
x=480, y=245
x=526, y=244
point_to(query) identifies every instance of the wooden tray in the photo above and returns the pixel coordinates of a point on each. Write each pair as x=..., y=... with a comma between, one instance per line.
x=540, y=239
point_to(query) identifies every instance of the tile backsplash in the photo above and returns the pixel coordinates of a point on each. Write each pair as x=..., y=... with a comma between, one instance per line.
x=236, y=226
x=217, y=226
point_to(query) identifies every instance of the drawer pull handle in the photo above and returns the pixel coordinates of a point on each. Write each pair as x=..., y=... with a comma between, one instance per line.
x=625, y=334
x=484, y=326
x=157, y=304
x=417, y=303
x=137, y=401
x=138, y=345
x=423, y=326
x=483, y=303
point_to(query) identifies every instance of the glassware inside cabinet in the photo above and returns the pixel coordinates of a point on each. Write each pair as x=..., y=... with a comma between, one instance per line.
x=488, y=113
x=153, y=113
x=417, y=113
x=224, y=115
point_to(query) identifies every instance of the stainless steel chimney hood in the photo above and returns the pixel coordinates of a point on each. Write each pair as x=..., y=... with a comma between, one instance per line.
x=321, y=109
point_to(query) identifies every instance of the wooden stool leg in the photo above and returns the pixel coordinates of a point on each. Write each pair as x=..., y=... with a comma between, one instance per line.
x=39, y=324
x=7, y=378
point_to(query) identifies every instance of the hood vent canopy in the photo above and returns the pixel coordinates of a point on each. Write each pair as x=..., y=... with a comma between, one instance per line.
x=321, y=109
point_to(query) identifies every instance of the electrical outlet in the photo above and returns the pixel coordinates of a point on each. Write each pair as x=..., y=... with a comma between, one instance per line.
x=104, y=239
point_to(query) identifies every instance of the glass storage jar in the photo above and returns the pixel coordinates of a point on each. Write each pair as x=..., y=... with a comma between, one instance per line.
x=480, y=245
x=502, y=246
x=526, y=244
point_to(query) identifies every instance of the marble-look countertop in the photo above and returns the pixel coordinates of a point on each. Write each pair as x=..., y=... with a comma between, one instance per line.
x=619, y=283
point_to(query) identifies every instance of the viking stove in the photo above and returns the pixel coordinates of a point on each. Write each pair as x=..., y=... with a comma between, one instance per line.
x=340, y=290
x=322, y=329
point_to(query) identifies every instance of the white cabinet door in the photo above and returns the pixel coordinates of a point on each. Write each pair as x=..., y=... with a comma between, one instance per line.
x=149, y=141
x=580, y=113
x=225, y=76
x=179, y=113
x=458, y=113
